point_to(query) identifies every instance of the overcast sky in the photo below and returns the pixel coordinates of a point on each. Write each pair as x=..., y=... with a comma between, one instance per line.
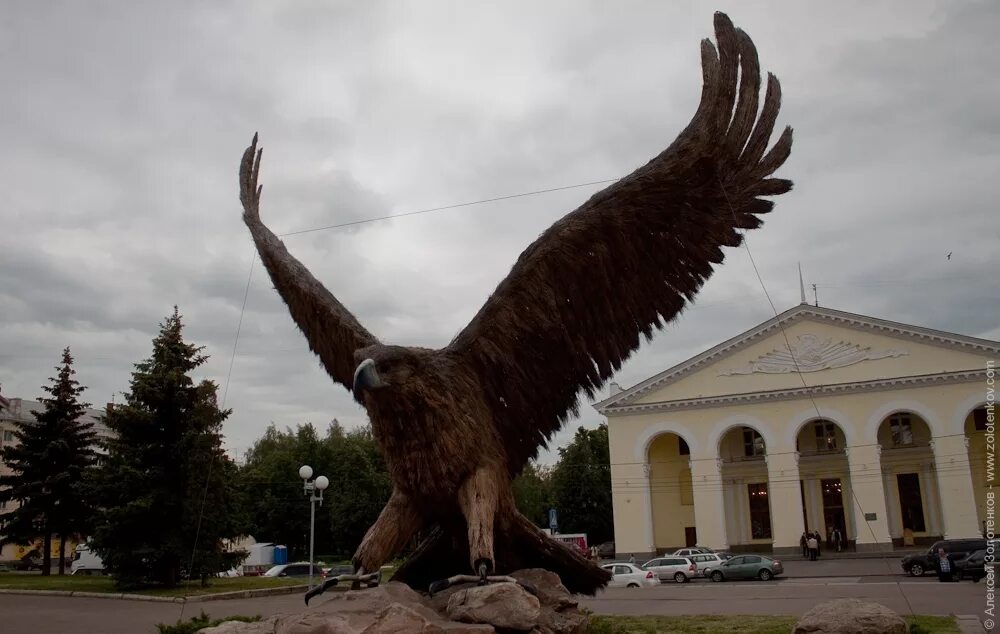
x=123, y=124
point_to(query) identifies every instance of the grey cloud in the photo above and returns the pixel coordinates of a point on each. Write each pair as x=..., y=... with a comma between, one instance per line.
x=123, y=134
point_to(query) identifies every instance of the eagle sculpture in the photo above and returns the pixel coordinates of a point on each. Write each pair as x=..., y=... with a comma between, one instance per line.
x=456, y=424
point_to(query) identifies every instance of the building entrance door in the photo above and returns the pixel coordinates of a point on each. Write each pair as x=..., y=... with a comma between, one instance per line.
x=690, y=536
x=833, y=506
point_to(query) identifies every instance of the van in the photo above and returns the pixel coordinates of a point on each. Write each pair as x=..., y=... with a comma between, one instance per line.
x=86, y=562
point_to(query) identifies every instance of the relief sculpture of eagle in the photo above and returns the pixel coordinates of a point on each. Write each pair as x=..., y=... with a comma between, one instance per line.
x=456, y=424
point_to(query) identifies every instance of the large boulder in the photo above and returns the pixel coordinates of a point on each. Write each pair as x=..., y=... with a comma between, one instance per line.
x=465, y=609
x=505, y=606
x=850, y=616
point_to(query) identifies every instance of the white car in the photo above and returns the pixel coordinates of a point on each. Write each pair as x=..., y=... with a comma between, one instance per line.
x=630, y=576
x=706, y=563
x=687, y=552
x=680, y=569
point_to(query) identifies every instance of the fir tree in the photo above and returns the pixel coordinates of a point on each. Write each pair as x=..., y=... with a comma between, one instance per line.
x=48, y=465
x=163, y=488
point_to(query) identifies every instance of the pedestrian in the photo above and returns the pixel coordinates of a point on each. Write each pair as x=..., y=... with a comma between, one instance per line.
x=819, y=551
x=803, y=542
x=631, y=559
x=945, y=566
x=837, y=539
x=813, y=545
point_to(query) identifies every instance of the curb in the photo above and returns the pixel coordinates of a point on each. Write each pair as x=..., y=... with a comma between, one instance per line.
x=969, y=624
x=220, y=596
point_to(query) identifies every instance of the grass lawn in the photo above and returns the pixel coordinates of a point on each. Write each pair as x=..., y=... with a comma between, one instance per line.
x=76, y=583
x=603, y=624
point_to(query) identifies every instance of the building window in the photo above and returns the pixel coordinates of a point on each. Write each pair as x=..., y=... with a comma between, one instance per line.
x=979, y=418
x=902, y=430
x=753, y=443
x=682, y=447
x=760, y=511
x=8, y=436
x=826, y=436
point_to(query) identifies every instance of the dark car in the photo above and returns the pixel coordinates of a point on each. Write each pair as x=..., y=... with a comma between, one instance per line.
x=973, y=566
x=748, y=567
x=347, y=569
x=917, y=564
x=606, y=550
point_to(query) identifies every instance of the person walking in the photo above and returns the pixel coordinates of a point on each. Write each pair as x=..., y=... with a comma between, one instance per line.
x=804, y=543
x=837, y=539
x=819, y=544
x=945, y=566
x=813, y=545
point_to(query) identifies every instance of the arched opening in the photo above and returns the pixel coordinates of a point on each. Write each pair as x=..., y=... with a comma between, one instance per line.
x=825, y=483
x=977, y=426
x=671, y=493
x=909, y=479
x=742, y=451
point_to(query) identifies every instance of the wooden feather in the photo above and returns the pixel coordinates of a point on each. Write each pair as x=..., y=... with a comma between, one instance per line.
x=630, y=259
x=332, y=331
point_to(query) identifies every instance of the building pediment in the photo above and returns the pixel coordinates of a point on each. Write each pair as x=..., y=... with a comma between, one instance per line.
x=808, y=349
x=812, y=353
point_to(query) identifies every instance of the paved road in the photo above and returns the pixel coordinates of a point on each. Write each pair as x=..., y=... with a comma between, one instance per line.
x=22, y=614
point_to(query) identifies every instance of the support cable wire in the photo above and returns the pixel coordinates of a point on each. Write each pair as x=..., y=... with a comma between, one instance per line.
x=798, y=372
x=225, y=395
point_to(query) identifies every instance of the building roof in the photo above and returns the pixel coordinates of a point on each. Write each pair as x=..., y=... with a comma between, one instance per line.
x=20, y=410
x=798, y=313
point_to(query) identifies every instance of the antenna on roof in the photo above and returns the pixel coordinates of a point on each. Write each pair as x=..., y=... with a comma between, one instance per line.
x=815, y=296
x=802, y=287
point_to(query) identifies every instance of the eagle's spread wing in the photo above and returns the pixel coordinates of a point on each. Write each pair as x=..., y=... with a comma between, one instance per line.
x=332, y=331
x=574, y=305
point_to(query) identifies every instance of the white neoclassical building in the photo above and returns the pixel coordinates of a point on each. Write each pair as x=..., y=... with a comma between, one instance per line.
x=815, y=419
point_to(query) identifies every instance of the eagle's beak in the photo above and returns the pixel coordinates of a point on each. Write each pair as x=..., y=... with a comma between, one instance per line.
x=365, y=378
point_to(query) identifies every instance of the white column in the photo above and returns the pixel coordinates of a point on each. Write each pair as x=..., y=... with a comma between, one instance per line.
x=958, y=501
x=865, y=466
x=893, y=512
x=632, y=509
x=928, y=490
x=786, y=501
x=709, y=506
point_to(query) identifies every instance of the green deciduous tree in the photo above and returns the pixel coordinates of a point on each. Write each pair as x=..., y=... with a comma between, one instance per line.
x=278, y=509
x=164, y=488
x=581, y=486
x=47, y=467
x=533, y=493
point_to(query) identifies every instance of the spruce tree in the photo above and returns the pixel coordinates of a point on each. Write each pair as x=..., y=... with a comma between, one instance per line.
x=48, y=466
x=163, y=488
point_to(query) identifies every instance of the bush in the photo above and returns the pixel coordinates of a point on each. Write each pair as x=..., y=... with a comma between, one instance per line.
x=200, y=622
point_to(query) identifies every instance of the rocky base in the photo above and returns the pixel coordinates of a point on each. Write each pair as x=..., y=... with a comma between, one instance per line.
x=395, y=608
x=850, y=616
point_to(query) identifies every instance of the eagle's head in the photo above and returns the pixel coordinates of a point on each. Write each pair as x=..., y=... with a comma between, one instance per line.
x=388, y=371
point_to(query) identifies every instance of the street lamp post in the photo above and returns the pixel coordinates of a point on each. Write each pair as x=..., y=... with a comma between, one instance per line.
x=311, y=489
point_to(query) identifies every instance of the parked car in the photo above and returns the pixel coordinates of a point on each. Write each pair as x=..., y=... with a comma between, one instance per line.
x=917, y=564
x=973, y=565
x=606, y=550
x=298, y=569
x=680, y=569
x=707, y=562
x=630, y=576
x=748, y=567
x=32, y=560
x=347, y=569
x=694, y=550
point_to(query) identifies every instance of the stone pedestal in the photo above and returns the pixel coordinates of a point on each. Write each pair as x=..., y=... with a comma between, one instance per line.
x=464, y=609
